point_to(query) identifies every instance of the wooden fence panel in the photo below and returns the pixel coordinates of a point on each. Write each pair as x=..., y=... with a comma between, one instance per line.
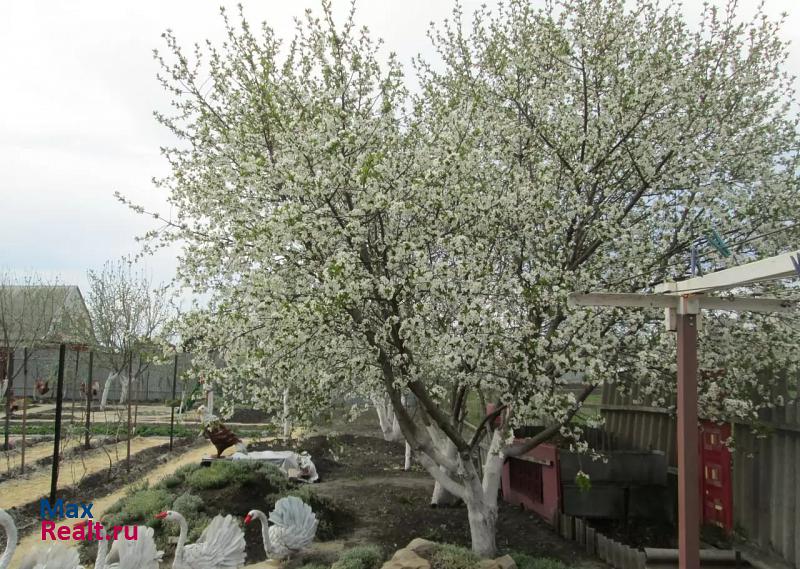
x=766, y=481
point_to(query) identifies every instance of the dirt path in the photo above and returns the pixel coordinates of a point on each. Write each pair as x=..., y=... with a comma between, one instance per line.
x=12, y=459
x=41, y=408
x=101, y=505
x=20, y=491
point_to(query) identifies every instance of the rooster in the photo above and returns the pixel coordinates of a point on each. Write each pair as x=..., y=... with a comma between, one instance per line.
x=95, y=389
x=42, y=386
x=215, y=430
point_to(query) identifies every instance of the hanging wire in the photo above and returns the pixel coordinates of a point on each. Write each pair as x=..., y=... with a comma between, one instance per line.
x=708, y=255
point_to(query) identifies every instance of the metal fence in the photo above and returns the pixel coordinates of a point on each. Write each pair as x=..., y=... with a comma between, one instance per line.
x=154, y=384
x=765, y=478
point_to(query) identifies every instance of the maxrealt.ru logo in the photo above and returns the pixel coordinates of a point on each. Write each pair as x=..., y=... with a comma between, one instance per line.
x=86, y=530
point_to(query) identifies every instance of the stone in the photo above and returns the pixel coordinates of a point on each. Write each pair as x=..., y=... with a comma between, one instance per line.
x=506, y=562
x=488, y=564
x=421, y=547
x=406, y=559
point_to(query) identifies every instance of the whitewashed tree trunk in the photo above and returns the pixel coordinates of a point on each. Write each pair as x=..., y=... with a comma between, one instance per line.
x=124, y=383
x=396, y=434
x=106, y=390
x=441, y=496
x=481, y=505
x=183, y=401
x=482, y=526
x=407, y=464
x=390, y=427
x=209, y=404
x=287, y=425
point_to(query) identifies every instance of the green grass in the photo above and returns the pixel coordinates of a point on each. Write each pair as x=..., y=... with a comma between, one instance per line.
x=139, y=505
x=239, y=473
x=449, y=556
x=525, y=561
x=315, y=566
x=361, y=557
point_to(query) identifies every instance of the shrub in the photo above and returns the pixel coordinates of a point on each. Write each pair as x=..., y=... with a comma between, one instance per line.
x=240, y=473
x=448, y=556
x=525, y=561
x=362, y=557
x=315, y=566
x=185, y=470
x=139, y=506
x=208, y=478
x=171, y=482
x=188, y=504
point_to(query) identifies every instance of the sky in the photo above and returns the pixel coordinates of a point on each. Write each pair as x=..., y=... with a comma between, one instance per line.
x=77, y=93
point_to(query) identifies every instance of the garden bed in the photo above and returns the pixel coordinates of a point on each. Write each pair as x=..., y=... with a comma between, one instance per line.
x=364, y=474
x=200, y=493
x=99, y=483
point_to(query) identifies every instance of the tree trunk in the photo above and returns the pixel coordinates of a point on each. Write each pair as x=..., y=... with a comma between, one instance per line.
x=493, y=469
x=125, y=384
x=441, y=497
x=407, y=464
x=9, y=395
x=390, y=427
x=106, y=390
x=481, y=499
x=482, y=526
x=287, y=425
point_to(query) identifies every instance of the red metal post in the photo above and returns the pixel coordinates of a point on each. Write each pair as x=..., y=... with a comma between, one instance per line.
x=688, y=473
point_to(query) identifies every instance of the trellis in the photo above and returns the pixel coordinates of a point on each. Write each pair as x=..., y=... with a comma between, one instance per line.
x=682, y=302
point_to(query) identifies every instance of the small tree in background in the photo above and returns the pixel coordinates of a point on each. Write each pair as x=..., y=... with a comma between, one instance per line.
x=129, y=312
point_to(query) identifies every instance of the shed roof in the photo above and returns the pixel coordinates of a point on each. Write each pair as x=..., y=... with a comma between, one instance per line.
x=35, y=314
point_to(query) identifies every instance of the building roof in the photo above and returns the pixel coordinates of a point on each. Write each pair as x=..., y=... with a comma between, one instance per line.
x=31, y=315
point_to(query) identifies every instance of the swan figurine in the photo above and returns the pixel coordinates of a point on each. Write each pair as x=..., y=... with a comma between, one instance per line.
x=10, y=529
x=139, y=553
x=293, y=527
x=52, y=556
x=221, y=545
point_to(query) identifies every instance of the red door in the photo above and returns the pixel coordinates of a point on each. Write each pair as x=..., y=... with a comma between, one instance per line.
x=716, y=490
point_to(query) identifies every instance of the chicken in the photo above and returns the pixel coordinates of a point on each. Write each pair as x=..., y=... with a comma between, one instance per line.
x=215, y=430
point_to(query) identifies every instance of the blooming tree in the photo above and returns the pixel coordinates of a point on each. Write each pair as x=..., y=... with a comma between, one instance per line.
x=357, y=238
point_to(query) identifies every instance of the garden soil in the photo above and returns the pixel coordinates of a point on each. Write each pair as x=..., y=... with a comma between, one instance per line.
x=192, y=456
x=364, y=474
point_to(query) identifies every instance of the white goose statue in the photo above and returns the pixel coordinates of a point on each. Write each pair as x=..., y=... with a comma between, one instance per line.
x=53, y=556
x=221, y=545
x=293, y=527
x=139, y=553
x=10, y=529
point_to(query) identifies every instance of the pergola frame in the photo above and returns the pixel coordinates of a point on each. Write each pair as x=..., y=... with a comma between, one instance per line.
x=682, y=302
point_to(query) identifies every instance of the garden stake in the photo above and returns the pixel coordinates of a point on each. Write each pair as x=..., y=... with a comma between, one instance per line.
x=89, y=400
x=24, y=406
x=172, y=402
x=130, y=386
x=62, y=350
x=74, y=385
x=8, y=394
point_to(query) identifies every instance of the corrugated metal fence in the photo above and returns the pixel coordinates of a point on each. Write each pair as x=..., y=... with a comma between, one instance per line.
x=766, y=481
